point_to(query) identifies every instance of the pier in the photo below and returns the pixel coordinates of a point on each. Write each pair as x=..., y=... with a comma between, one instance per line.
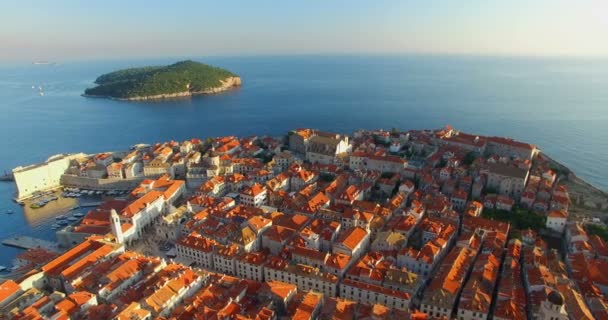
x=25, y=242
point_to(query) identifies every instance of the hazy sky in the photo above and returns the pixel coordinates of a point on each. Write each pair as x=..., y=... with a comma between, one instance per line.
x=56, y=30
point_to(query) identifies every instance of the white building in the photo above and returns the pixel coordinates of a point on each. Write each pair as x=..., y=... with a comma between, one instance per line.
x=254, y=196
x=42, y=176
x=372, y=294
x=556, y=220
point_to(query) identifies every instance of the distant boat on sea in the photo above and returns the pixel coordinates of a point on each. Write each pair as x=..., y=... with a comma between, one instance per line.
x=42, y=62
x=7, y=176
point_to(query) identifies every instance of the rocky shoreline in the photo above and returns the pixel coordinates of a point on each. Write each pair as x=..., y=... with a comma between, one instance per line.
x=227, y=84
x=587, y=199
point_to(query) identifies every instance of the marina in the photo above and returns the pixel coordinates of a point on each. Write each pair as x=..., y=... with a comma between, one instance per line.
x=25, y=242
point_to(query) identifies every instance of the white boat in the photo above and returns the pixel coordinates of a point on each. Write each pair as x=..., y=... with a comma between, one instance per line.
x=73, y=219
x=99, y=193
x=83, y=191
x=2, y=268
x=78, y=214
x=60, y=217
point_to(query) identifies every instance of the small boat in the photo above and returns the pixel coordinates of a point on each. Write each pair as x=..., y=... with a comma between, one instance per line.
x=74, y=208
x=3, y=268
x=60, y=217
x=99, y=193
x=9, y=211
x=78, y=214
x=62, y=222
x=83, y=191
x=55, y=226
x=91, y=192
x=73, y=219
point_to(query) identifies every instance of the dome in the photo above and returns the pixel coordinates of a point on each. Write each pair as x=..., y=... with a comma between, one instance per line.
x=556, y=298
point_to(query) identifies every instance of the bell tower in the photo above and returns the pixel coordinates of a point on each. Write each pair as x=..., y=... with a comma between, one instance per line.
x=116, y=226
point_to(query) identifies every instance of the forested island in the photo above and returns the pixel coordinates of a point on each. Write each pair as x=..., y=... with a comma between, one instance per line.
x=181, y=79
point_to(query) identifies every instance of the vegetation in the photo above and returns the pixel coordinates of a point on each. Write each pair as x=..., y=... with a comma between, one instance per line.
x=519, y=218
x=150, y=81
x=327, y=177
x=601, y=231
x=469, y=158
x=387, y=175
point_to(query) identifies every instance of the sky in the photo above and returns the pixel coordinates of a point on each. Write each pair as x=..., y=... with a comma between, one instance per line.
x=64, y=29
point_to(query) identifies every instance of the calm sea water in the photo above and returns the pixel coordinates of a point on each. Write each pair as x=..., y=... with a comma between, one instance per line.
x=559, y=104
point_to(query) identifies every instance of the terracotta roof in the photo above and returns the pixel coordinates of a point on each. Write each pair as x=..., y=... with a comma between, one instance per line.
x=7, y=289
x=352, y=237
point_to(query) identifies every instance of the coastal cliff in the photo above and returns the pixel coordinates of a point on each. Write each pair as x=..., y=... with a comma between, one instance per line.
x=226, y=84
x=179, y=80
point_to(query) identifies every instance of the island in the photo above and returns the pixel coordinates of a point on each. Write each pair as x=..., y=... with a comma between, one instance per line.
x=181, y=79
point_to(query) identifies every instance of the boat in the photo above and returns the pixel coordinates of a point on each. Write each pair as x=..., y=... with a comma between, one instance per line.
x=55, y=226
x=60, y=217
x=9, y=211
x=3, y=268
x=73, y=219
x=91, y=192
x=7, y=176
x=62, y=222
x=78, y=214
x=74, y=208
x=83, y=191
x=99, y=193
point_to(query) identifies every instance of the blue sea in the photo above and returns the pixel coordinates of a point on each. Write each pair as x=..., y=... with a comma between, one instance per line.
x=560, y=104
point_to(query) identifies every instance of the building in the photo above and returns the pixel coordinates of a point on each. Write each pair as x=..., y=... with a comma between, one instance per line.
x=507, y=180
x=254, y=196
x=353, y=242
x=556, y=220
x=43, y=176
x=374, y=294
x=324, y=149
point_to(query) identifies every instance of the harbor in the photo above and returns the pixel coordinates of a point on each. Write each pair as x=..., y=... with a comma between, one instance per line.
x=26, y=242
